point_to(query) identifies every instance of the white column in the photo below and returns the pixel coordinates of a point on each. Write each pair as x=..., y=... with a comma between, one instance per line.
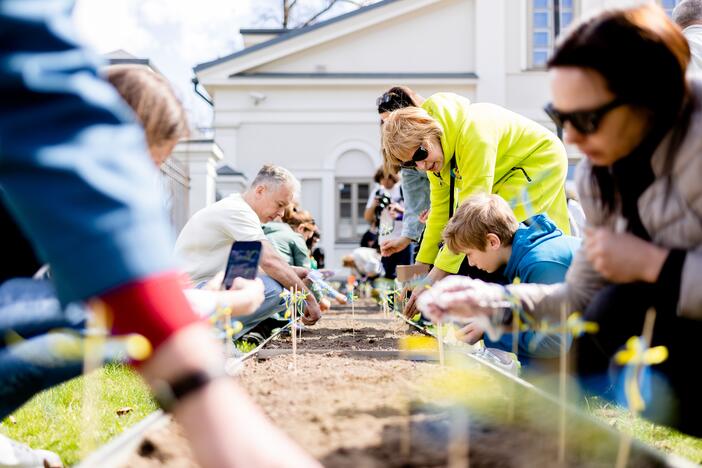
x=203, y=157
x=328, y=221
x=490, y=52
x=226, y=137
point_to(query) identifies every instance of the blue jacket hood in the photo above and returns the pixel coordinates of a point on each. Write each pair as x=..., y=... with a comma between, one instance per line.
x=533, y=248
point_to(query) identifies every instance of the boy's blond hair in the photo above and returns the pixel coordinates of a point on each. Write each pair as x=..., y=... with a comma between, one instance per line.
x=403, y=131
x=477, y=217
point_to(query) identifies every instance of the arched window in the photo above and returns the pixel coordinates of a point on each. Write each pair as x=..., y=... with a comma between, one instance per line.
x=545, y=25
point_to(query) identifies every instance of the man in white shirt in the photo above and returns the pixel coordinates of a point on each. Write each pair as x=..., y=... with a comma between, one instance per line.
x=204, y=243
x=688, y=15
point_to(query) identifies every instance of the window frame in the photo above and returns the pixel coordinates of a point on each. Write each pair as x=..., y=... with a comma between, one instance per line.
x=531, y=29
x=357, y=218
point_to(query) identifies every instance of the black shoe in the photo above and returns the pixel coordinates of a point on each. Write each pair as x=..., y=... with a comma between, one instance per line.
x=253, y=338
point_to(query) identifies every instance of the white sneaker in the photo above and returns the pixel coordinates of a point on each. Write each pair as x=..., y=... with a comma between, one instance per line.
x=16, y=455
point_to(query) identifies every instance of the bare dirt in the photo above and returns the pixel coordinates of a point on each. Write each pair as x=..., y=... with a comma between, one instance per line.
x=350, y=409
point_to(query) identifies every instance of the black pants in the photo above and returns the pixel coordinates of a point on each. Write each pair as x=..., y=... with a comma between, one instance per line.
x=403, y=257
x=620, y=311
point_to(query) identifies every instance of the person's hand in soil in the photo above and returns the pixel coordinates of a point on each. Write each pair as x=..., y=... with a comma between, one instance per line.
x=411, y=306
x=224, y=427
x=623, y=258
x=324, y=304
x=312, y=311
x=434, y=275
x=392, y=246
x=471, y=333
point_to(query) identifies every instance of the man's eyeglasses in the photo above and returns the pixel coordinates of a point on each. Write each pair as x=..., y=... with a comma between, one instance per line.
x=585, y=122
x=420, y=155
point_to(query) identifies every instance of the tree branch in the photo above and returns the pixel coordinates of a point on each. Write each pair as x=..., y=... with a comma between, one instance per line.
x=320, y=13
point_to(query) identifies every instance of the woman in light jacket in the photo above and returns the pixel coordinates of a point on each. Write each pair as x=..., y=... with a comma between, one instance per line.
x=619, y=90
x=483, y=148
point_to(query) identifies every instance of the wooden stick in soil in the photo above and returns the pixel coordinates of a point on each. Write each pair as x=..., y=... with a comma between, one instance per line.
x=293, y=331
x=353, y=314
x=406, y=436
x=625, y=440
x=459, y=442
x=562, y=381
x=515, y=348
x=440, y=338
x=94, y=347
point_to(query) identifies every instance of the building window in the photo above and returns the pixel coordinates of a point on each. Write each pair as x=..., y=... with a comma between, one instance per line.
x=352, y=196
x=543, y=27
x=669, y=5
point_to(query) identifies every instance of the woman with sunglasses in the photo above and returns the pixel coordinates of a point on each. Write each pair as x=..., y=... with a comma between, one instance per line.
x=475, y=148
x=619, y=90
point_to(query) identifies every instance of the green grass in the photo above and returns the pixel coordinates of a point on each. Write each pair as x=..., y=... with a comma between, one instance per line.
x=663, y=438
x=245, y=346
x=54, y=419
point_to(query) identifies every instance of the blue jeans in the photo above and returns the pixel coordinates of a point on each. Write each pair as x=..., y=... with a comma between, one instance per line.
x=272, y=305
x=41, y=343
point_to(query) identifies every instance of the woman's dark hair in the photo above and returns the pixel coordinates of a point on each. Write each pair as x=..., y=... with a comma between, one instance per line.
x=643, y=57
x=397, y=97
x=380, y=174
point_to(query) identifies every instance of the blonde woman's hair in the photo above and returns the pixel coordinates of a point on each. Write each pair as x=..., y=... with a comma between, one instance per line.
x=403, y=131
x=153, y=100
x=477, y=217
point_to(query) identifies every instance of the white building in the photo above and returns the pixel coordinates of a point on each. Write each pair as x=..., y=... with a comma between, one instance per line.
x=305, y=99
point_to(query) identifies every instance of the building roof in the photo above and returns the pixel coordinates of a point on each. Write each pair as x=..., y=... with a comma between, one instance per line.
x=122, y=57
x=391, y=75
x=290, y=34
x=227, y=170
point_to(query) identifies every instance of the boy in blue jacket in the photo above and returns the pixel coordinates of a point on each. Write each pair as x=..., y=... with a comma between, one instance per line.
x=487, y=232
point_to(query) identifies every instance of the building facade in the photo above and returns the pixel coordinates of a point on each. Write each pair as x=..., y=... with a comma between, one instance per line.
x=305, y=99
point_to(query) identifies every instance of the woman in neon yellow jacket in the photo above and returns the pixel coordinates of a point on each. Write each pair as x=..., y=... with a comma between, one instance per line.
x=493, y=150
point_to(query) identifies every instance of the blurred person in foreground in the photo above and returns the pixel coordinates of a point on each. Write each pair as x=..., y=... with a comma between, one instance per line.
x=66, y=134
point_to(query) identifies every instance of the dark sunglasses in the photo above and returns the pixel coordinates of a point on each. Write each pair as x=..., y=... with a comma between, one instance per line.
x=586, y=121
x=420, y=155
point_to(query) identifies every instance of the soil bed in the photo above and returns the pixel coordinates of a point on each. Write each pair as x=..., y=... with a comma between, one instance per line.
x=351, y=410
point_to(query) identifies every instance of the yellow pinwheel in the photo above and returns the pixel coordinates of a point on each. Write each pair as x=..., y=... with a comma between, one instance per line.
x=636, y=356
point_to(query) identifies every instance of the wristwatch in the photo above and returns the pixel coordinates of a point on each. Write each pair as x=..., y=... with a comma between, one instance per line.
x=169, y=394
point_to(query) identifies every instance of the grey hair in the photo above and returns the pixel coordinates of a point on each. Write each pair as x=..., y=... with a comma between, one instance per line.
x=271, y=175
x=687, y=13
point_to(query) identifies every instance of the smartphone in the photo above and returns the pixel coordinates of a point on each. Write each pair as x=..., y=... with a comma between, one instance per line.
x=242, y=262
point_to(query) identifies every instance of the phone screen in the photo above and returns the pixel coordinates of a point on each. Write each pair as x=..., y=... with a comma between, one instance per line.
x=243, y=262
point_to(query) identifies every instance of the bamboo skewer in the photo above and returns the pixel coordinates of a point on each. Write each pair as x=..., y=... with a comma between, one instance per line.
x=562, y=382
x=625, y=441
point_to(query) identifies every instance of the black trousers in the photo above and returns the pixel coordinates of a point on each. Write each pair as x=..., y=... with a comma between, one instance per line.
x=390, y=263
x=676, y=388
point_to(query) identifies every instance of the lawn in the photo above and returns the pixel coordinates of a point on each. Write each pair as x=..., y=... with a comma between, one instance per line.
x=663, y=438
x=54, y=419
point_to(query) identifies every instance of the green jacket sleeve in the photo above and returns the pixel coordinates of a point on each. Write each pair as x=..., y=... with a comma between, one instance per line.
x=300, y=253
x=476, y=154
